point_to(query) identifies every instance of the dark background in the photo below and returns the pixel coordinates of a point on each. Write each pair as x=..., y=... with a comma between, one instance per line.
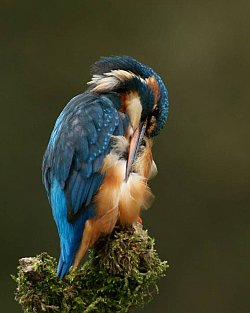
x=200, y=218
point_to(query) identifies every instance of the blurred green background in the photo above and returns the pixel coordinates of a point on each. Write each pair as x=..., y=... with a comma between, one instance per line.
x=201, y=216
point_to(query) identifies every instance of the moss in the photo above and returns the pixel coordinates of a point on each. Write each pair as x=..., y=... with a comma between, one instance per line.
x=120, y=273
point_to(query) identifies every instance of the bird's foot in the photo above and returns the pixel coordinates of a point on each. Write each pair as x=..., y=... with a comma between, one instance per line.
x=139, y=219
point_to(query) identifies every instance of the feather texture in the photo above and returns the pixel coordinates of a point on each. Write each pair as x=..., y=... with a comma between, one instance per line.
x=78, y=144
x=95, y=168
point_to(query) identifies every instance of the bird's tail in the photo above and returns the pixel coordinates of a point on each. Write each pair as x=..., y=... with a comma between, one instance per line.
x=64, y=266
x=66, y=259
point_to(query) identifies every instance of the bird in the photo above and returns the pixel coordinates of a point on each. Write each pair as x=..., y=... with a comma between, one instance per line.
x=99, y=158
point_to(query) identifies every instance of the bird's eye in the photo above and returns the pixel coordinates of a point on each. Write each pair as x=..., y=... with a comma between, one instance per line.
x=152, y=121
x=155, y=111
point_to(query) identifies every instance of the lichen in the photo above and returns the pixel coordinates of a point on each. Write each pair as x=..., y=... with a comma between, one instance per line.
x=121, y=272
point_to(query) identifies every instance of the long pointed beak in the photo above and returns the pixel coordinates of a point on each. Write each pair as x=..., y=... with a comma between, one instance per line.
x=134, y=146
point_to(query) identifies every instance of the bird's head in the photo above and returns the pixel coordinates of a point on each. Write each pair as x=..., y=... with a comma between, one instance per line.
x=143, y=95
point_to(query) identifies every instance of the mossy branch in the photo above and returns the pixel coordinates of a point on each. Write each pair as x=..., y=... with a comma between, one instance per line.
x=120, y=273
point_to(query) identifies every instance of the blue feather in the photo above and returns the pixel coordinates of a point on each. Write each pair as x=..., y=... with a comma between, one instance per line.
x=70, y=234
x=96, y=183
x=77, y=147
x=127, y=63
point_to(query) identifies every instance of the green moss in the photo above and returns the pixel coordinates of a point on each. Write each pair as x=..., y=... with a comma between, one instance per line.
x=121, y=272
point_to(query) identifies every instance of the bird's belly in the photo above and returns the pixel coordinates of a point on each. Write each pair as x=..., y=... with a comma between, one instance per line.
x=134, y=195
x=118, y=199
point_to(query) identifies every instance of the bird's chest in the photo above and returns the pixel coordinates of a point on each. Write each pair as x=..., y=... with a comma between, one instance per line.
x=120, y=199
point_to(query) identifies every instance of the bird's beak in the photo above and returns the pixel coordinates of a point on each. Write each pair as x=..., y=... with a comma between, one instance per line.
x=134, y=146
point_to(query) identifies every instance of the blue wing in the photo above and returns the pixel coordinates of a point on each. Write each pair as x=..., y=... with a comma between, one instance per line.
x=78, y=144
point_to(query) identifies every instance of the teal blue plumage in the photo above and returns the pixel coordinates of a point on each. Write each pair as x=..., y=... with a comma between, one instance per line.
x=79, y=142
x=107, y=64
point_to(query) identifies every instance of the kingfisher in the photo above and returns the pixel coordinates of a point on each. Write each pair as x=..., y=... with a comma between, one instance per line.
x=99, y=157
